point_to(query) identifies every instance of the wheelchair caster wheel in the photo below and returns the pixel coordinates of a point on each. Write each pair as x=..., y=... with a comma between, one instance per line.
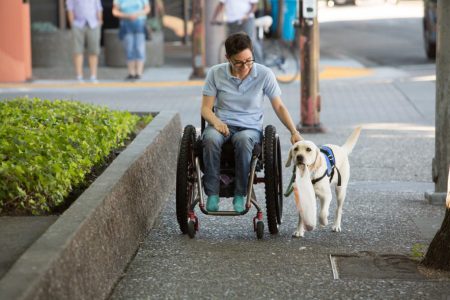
x=259, y=229
x=191, y=229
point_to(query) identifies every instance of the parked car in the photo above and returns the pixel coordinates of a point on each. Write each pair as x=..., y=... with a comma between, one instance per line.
x=331, y=3
x=430, y=27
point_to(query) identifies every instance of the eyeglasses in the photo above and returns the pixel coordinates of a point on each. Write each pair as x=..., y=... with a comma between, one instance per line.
x=240, y=64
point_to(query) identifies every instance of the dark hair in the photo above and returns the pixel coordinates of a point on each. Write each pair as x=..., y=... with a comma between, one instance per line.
x=237, y=42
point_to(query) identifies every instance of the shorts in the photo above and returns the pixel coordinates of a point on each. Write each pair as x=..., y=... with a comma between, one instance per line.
x=86, y=39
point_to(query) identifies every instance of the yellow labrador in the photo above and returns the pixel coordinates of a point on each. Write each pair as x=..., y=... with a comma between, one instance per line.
x=327, y=166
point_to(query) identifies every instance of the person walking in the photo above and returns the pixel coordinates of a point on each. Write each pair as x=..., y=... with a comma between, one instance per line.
x=85, y=19
x=232, y=104
x=240, y=16
x=132, y=31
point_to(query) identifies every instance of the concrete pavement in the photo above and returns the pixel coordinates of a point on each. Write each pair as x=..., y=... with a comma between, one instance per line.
x=385, y=211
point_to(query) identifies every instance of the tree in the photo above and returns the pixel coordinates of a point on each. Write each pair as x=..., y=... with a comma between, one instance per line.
x=438, y=254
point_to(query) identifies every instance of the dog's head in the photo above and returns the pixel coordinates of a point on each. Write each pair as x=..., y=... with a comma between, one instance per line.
x=304, y=153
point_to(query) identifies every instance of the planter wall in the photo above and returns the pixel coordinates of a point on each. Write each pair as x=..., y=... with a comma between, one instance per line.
x=85, y=251
x=51, y=49
x=115, y=54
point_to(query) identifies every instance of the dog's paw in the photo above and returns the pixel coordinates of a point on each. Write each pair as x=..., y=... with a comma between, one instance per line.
x=323, y=221
x=336, y=228
x=298, y=234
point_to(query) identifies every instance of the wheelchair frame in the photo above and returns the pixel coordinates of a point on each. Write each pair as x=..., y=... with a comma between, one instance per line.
x=189, y=189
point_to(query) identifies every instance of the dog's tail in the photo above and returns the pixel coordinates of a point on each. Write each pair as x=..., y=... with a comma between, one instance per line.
x=351, y=141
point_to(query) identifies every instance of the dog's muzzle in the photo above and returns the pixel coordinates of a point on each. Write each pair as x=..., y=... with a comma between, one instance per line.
x=299, y=159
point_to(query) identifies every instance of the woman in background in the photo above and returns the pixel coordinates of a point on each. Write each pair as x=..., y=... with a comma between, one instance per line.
x=133, y=16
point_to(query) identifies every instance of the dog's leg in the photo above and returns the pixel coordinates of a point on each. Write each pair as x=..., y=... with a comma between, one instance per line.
x=300, y=232
x=341, y=192
x=325, y=197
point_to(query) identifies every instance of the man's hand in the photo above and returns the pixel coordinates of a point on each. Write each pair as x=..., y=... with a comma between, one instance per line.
x=216, y=22
x=296, y=137
x=222, y=128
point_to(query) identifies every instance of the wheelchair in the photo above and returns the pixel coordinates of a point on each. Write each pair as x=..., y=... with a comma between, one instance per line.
x=266, y=159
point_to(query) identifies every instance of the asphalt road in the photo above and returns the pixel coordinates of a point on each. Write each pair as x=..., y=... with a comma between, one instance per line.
x=375, y=34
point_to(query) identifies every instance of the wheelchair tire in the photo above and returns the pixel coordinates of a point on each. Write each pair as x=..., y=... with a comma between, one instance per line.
x=191, y=229
x=186, y=184
x=279, y=182
x=272, y=177
x=260, y=229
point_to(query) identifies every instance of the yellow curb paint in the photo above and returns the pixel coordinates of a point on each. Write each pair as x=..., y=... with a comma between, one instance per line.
x=327, y=73
x=344, y=72
x=110, y=84
x=339, y=72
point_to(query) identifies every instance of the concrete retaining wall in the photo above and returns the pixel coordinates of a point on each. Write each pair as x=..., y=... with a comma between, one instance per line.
x=85, y=251
x=52, y=49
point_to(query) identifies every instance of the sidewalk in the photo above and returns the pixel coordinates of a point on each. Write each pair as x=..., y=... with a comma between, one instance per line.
x=385, y=211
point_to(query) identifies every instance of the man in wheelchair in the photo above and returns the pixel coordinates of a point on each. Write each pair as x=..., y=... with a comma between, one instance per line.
x=232, y=104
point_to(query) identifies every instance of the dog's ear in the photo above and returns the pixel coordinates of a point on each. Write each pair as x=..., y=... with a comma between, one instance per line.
x=317, y=162
x=288, y=162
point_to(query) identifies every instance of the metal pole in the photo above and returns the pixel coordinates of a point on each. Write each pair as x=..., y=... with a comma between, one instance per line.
x=61, y=14
x=280, y=21
x=186, y=20
x=309, y=84
x=198, y=39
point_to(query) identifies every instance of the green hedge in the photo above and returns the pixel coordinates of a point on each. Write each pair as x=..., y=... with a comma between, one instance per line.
x=48, y=147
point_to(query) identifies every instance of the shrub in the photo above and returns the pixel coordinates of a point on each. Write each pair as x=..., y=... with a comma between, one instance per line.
x=47, y=148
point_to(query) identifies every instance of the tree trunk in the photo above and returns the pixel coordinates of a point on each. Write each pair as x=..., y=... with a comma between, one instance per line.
x=441, y=160
x=438, y=254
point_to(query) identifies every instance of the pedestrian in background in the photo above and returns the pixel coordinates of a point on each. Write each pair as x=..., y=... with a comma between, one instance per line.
x=132, y=31
x=85, y=19
x=240, y=16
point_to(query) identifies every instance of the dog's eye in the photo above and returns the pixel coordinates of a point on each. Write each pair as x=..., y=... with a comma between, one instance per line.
x=296, y=149
x=308, y=149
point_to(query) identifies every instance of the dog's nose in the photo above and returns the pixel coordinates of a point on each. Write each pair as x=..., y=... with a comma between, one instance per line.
x=299, y=158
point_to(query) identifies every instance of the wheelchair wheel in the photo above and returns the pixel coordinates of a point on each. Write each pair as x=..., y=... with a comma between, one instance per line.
x=260, y=229
x=273, y=179
x=191, y=229
x=186, y=181
x=279, y=183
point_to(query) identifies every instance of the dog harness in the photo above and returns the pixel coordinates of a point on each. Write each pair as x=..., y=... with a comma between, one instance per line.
x=331, y=165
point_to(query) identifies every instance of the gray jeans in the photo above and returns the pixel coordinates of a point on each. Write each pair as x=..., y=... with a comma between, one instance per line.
x=248, y=26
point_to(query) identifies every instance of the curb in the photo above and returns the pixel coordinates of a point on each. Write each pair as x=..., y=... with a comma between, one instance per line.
x=84, y=253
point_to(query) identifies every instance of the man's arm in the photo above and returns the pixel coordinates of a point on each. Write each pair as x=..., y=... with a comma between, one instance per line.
x=70, y=16
x=210, y=117
x=253, y=8
x=217, y=11
x=285, y=118
x=99, y=12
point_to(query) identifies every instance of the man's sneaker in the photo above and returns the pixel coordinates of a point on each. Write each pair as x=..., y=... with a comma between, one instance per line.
x=212, y=203
x=93, y=79
x=80, y=79
x=239, y=203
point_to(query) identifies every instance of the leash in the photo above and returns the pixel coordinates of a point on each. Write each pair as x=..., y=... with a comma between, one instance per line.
x=290, y=187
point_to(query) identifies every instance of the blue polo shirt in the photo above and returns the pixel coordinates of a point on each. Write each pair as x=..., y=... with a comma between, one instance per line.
x=240, y=102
